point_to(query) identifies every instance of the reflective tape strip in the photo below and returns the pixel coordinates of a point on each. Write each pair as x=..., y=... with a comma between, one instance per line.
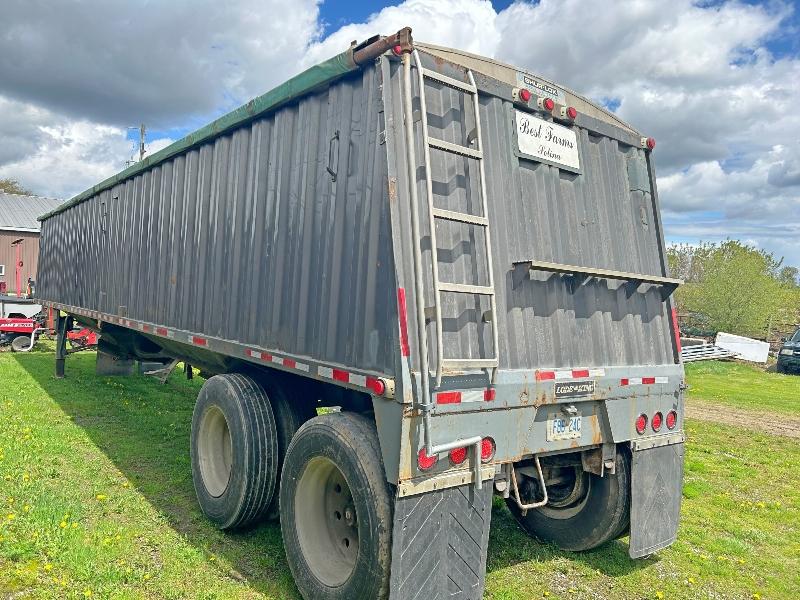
x=473, y=396
x=448, y=398
x=643, y=380
x=563, y=374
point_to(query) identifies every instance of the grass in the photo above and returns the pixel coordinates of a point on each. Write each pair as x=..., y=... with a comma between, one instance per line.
x=743, y=386
x=96, y=500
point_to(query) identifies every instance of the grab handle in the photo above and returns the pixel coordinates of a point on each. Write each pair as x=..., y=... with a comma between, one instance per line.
x=331, y=172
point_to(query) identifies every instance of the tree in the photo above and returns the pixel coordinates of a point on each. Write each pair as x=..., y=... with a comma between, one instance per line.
x=737, y=288
x=12, y=186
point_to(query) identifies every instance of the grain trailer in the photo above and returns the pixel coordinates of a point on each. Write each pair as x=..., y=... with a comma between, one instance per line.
x=463, y=261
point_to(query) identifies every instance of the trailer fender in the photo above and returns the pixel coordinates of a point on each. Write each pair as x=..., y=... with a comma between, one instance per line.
x=656, y=480
x=439, y=543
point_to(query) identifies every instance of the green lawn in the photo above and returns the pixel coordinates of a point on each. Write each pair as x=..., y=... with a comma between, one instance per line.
x=743, y=386
x=96, y=500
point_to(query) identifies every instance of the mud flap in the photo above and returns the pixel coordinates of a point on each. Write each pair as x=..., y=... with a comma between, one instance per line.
x=656, y=488
x=439, y=542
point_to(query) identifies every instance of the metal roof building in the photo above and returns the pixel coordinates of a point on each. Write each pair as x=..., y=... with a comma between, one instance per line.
x=18, y=214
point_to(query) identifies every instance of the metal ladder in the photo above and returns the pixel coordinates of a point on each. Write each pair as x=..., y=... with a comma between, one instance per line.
x=482, y=220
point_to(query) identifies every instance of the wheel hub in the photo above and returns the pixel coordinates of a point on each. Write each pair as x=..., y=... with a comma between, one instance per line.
x=215, y=451
x=327, y=522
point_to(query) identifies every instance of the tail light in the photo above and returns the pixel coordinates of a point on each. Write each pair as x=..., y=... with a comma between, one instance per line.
x=641, y=424
x=425, y=462
x=672, y=419
x=568, y=112
x=546, y=103
x=648, y=142
x=488, y=448
x=658, y=420
x=458, y=455
x=522, y=94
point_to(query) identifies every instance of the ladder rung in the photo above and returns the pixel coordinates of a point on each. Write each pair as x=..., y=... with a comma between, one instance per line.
x=469, y=363
x=449, y=81
x=465, y=288
x=454, y=148
x=451, y=215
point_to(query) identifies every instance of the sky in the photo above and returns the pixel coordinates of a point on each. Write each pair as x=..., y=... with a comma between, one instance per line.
x=716, y=82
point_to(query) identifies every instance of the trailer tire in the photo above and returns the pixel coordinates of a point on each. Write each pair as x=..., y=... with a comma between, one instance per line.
x=234, y=448
x=336, y=510
x=21, y=343
x=290, y=414
x=602, y=515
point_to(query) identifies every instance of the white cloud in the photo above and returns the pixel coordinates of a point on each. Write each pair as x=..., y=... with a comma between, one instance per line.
x=73, y=155
x=122, y=62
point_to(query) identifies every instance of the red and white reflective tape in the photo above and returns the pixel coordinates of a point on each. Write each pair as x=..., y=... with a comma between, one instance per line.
x=459, y=397
x=563, y=374
x=371, y=383
x=164, y=332
x=289, y=363
x=643, y=380
x=199, y=341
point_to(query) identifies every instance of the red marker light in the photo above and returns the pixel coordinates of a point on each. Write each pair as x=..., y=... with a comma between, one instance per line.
x=458, y=455
x=487, y=449
x=572, y=113
x=398, y=50
x=548, y=104
x=641, y=424
x=425, y=462
x=672, y=419
x=658, y=419
x=651, y=143
x=524, y=95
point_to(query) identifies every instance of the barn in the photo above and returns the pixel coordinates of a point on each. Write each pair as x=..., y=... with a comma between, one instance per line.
x=19, y=237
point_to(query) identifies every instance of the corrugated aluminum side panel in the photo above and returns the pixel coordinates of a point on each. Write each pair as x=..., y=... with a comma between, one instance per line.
x=247, y=238
x=600, y=218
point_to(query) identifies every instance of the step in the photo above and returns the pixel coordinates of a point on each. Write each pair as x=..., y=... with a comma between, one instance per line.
x=454, y=148
x=449, y=81
x=469, y=363
x=465, y=288
x=460, y=217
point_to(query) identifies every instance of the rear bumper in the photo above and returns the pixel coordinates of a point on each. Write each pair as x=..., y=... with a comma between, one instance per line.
x=517, y=412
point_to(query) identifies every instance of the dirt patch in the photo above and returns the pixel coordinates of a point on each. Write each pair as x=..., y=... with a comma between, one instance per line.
x=772, y=423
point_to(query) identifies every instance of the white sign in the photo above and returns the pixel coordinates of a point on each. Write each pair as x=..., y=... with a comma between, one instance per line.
x=547, y=141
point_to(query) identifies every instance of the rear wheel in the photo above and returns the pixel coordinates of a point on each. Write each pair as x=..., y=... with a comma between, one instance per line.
x=584, y=511
x=21, y=343
x=336, y=511
x=234, y=450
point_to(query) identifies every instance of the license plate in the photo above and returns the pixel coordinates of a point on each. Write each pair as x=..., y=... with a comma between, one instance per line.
x=560, y=427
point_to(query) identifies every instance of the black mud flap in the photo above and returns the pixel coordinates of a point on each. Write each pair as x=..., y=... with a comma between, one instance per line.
x=656, y=488
x=439, y=544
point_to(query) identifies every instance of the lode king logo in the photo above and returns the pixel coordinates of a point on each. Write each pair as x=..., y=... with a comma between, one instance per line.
x=571, y=389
